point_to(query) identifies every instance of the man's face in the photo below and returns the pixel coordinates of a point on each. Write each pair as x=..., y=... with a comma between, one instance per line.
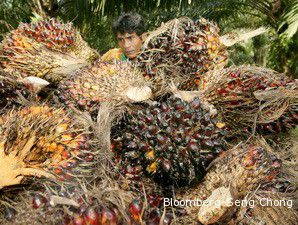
x=130, y=43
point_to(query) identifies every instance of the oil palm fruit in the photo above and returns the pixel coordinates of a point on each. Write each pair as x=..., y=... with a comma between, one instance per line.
x=96, y=213
x=103, y=81
x=241, y=170
x=147, y=205
x=47, y=49
x=26, y=57
x=131, y=178
x=141, y=213
x=60, y=205
x=100, y=200
x=247, y=95
x=40, y=141
x=55, y=34
x=193, y=47
x=174, y=141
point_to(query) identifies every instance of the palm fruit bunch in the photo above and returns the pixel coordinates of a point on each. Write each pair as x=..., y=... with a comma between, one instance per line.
x=40, y=141
x=74, y=207
x=269, y=208
x=59, y=205
x=55, y=34
x=190, y=47
x=44, y=51
x=247, y=95
x=98, y=201
x=173, y=141
x=23, y=57
x=103, y=81
x=232, y=176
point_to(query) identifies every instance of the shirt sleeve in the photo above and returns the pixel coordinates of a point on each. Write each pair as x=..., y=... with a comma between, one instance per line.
x=113, y=54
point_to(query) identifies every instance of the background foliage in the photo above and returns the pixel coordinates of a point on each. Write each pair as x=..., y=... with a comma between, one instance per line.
x=277, y=49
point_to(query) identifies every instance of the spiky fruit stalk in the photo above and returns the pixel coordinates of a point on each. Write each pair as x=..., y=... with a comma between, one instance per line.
x=249, y=95
x=242, y=168
x=40, y=141
x=103, y=81
x=54, y=34
x=193, y=47
x=174, y=141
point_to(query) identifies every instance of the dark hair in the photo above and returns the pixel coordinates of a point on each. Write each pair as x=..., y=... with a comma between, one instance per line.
x=128, y=23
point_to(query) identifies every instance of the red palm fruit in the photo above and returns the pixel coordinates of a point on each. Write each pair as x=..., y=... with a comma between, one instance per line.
x=108, y=217
x=78, y=220
x=91, y=217
x=135, y=209
x=43, y=31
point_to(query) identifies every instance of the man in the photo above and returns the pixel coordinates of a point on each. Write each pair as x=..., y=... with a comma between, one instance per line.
x=129, y=29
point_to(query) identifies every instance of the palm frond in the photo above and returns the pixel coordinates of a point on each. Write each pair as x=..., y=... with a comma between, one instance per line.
x=290, y=17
